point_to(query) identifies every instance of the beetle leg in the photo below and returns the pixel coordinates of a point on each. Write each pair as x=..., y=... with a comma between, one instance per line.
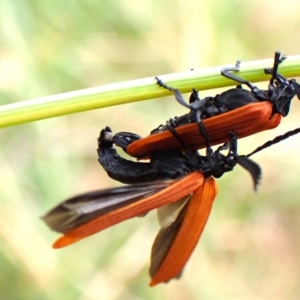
x=194, y=96
x=175, y=134
x=226, y=73
x=123, y=139
x=277, y=60
x=202, y=129
x=198, y=108
x=176, y=92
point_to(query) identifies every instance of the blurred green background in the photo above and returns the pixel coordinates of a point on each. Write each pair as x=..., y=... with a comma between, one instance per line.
x=251, y=246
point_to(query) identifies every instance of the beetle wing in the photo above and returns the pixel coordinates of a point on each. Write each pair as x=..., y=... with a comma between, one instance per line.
x=174, y=244
x=164, y=240
x=174, y=192
x=168, y=214
x=81, y=209
x=244, y=121
x=170, y=219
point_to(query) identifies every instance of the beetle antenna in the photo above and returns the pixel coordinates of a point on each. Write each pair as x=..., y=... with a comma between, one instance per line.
x=276, y=140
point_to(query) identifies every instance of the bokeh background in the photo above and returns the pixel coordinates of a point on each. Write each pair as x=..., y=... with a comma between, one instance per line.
x=251, y=246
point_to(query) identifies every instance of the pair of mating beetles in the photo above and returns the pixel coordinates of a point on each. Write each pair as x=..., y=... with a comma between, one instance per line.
x=177, y=179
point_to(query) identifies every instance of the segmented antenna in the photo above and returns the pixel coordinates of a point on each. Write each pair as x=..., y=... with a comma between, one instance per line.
x=278, y=139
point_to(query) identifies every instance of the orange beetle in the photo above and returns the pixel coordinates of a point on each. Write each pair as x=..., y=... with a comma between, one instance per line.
x=210, y=119
x=181, y=182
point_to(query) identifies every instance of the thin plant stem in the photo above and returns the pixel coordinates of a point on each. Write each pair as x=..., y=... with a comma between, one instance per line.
x=136, y=90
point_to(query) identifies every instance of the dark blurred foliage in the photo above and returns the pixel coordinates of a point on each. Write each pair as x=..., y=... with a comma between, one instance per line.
x=251, y=246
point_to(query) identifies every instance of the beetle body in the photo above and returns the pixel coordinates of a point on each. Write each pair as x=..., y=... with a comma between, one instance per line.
x=210, y=119
x=180, y=177
x=254, y=118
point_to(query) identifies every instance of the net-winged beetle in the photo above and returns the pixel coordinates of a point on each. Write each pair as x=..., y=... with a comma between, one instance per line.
x=171, y=180
x=210, y=119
